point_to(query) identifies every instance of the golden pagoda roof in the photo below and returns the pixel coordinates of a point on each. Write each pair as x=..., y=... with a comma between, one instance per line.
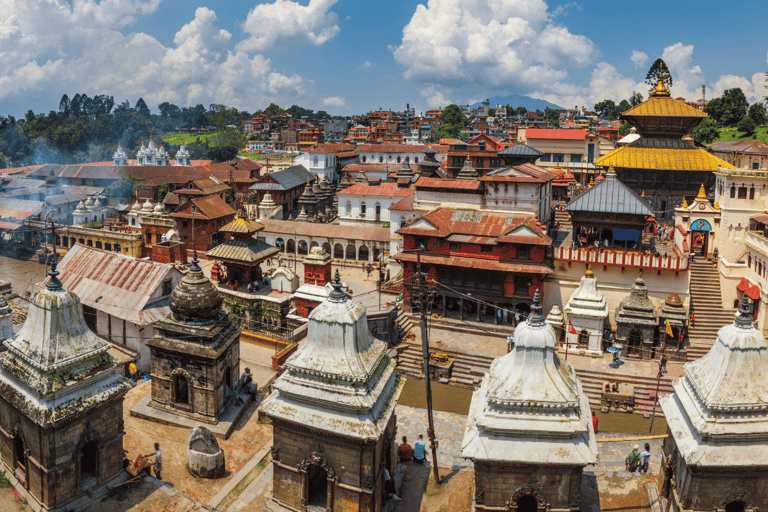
x=242, y=225
x=664, y=106
x=664, y=159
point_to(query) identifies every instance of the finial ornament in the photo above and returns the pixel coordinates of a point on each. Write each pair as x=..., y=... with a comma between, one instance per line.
x=536, y=317
x=195, y=263
x=337, y=295
x=744, y=319
x=702, y=192
x=589, y=270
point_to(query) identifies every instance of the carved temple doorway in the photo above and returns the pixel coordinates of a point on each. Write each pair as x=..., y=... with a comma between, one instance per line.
x=317, y=482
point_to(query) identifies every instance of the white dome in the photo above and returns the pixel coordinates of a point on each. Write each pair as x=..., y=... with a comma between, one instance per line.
x=147, y=207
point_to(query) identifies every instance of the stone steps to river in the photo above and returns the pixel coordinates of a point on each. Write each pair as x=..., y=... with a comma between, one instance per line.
x=706, y=302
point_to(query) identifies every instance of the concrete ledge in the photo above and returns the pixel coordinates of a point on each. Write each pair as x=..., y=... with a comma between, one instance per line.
x=222, y=429
x=235, y=481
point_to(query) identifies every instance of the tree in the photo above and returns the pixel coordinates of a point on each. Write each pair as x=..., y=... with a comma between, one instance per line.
x=636, y=99
x=521, y=111
x=491, y=112
x=553, y=116
x=452, y=122
x=658, y=68
x=757, y=112
x=225, y=146
x=730, y=108
x=624, y=128
x=273, y=110
x=64, y=106
x=623, y=107
x=607, y=109
x=747, y=125
x=296, y=111
x=142, y=108
x=706, y=132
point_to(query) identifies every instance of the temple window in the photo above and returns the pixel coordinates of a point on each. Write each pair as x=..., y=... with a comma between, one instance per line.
x=733, y=191
x=752, y=193
x=742, y=192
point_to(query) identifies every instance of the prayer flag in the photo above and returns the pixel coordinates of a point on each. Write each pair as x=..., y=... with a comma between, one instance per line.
x=571, y=329
x=669, y=329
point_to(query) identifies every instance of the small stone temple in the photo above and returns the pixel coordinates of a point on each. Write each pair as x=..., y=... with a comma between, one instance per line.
x=674, y=311
x=587, y=312
x=636, y=322
x=333, y=414
x=317, y=278
x=61, y=405
x=529, y=431
x=716, y=455
x=195, y=357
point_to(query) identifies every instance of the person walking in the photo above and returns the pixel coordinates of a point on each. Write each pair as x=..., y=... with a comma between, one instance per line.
x=663, y=363
x=517, y=318
x=158, y=461
x=645, y=458
x=594, y=421
x=633, y=459
x=418, y=450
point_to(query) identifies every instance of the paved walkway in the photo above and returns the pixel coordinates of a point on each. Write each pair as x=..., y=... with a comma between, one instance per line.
x=450, y=432
x=259, y=488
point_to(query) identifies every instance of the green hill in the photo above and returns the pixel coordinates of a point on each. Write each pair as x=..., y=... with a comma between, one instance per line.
x=761, y=134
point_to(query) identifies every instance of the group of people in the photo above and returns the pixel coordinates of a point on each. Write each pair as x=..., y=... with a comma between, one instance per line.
x=637, y=461
x=416, y=453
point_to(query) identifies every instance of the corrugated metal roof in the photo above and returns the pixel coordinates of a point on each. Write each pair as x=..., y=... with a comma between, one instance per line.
x=286, y=179
x=520, y=149
x=246, y=251
x=292, y=229
x=610, y=196
x=741, y=146
x=693, y=159
x=115, y=284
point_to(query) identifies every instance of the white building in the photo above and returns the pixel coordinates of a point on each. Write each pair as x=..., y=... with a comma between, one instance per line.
x=89, y=211
x=394, y=154
x=587, y=312
x=367, y=204
x=122, y=297
x=326, y=159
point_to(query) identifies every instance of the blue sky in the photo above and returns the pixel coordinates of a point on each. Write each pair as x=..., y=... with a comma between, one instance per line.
x=351, y=56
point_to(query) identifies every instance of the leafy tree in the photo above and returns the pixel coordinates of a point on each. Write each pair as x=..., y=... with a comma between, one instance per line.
x=322, y=114
x=706, y=132
x=636, y=99
x=607, y=109
x=623, y=107
x=74, y=106
x=296, y=111
x=659, y=67
x=491, y=112
x=162, y=191
x=730, y=108
x=747, y=125
x=142, y=108
x=757, y=112
x=225, y=145
x=273, y=110
x=521, y=111
x=452, y=122
x=553, y=116
x=624, y=128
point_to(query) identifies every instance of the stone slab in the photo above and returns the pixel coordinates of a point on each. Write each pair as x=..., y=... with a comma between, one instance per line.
x=222, y=429
x=234, y=482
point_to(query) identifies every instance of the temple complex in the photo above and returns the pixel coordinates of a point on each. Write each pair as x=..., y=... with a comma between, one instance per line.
x=716, y=455
x=636, y=322
x=61, y=405
x=332, y=414
x=529, y=432
x=587, y=315
x=661, y=163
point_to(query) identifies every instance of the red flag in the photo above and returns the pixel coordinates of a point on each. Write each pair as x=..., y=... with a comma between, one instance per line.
x=571, y=329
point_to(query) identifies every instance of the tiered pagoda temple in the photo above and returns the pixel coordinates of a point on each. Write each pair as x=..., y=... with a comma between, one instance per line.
x=660, y=162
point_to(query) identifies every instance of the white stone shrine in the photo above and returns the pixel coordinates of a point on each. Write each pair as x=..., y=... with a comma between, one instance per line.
x=587, y=312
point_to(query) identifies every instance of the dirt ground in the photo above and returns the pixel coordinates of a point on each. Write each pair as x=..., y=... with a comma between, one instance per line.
x=419, y=492
x=10, y=500
x=141, y=496
x=247, y=439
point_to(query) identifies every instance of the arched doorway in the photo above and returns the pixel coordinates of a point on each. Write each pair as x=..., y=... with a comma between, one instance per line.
x=634, y=342
x=527, y=504
x=351, y=251
x=700, y=230
x=181, y=390
x=326, y=247
x=280, y=244
x=363, y=253
x=338, y=251
x=317, y=482
x=583, y=339
x=291, y=246
x=303, y=247
x=89, y=464
x=735, y=506
x=313, y=244
x=20, y=456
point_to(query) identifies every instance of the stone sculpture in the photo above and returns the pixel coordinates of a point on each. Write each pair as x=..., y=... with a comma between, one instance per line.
x=205, y=457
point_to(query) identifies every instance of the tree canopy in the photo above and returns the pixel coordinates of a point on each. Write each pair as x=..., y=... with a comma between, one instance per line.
x=706, y=132
x=728, y=109
x=452, y=122
x=659, y=67
x=757, y=112
x=553, y=116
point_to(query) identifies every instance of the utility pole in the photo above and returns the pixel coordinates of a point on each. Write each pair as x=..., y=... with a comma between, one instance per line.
x=425, y=352
x=658, y=379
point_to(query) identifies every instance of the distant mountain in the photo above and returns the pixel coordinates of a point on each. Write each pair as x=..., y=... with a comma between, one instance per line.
x=518, y=100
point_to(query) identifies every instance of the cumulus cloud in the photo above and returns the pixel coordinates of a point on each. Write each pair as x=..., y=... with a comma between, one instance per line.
x=366, y=65
x=334, y=101
x=639, y=58
x=462, y=46
x=289, y=25
x=50, y=46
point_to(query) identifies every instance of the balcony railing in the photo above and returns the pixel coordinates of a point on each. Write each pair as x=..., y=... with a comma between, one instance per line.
x=757, y=241
x=622, y=258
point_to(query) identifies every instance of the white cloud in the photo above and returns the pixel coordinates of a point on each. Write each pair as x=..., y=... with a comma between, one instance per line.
x=687, y=78
x=48, y=47
x=753, y=89
x=639, y=58
x=461, y=46
x=288, y=25
x=334, y=101
x=366, y=65
x=435, y=97
x=564, y=8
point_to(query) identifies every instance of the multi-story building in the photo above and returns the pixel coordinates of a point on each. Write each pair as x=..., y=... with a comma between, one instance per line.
x=573, y=149
x=394, y=154
x=481, y=150
x=327, y=159
x=367, y=204
x=749, y=154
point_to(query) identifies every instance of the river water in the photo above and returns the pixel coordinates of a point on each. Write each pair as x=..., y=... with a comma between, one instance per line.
x=456, y=400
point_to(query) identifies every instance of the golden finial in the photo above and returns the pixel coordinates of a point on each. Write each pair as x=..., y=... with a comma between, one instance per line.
x=309, y=182
x=589, y=270
x=702, y=193
x=716, y=205
x=661, y=88
x=685, y=203
x=643, y=194
x=591, y=182
x=611, y=170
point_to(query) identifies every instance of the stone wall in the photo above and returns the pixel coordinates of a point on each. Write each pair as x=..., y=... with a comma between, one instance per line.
x=53, y=465
x=495, y=485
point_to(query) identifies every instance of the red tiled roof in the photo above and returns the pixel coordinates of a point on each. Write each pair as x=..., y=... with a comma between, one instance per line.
x=448, y=221
x=439, y=183
x=376, y=167
x=403, y=205
x=209, y=207
x=740, y=146
x=531, y=174
x=346, y=154
x=398, y=148
x=552, y=133
x=292, y=229
x=383, y=189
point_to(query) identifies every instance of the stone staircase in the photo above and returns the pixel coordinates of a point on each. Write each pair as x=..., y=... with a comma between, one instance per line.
x=404, y=324
x=468, y=371
x=564, y=218
x=468, y=326
x=706, y=301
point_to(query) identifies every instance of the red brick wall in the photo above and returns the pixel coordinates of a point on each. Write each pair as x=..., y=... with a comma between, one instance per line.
x=303, y=306
x=317, y=274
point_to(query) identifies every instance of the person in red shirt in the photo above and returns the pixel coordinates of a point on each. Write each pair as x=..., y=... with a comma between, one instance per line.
x=405, y=451
x=594, y=421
